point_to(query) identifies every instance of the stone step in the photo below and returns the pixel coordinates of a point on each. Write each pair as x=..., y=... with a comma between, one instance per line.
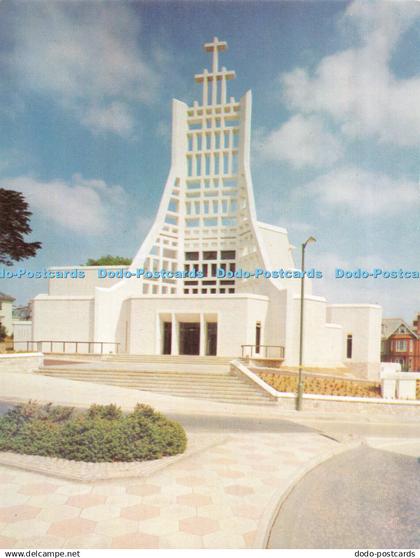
x=217, y=387
x=240, y=398
x=192, y=359
x=227, y=388
x=164, y=375
x=181, y=369
x=224, y=382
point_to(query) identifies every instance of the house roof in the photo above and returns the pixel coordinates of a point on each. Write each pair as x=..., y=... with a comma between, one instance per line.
x=390, y=326
x=4, y=296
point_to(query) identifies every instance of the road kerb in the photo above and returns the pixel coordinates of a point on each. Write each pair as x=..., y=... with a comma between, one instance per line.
x=267, y=519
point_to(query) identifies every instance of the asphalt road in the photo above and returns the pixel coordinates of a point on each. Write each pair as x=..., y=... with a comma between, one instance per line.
x=364, y=498
x=237, y=424
x=328, y=427
x=364, y=427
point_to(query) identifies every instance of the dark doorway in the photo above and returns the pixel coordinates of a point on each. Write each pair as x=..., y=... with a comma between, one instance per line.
x=167, y=338
x=257, y=337
x=211, y=348
x=189, y=338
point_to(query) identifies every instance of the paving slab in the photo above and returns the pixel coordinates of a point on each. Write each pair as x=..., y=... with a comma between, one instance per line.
x=213, y=499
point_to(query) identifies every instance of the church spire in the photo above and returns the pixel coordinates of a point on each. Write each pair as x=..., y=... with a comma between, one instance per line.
x=218, y=95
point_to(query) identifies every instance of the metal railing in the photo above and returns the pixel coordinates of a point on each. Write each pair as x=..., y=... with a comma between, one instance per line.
x=263, y=351
x=56, y=346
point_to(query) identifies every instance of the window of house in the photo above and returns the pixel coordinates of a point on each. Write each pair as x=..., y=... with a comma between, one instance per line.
x=401, y=345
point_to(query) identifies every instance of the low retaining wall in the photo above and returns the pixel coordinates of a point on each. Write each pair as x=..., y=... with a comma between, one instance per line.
x=360, y=405
x=21, y=362
x=330, y=403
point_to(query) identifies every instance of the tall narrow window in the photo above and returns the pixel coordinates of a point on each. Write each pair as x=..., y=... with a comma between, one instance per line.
x=349, y=350
x=257, y=337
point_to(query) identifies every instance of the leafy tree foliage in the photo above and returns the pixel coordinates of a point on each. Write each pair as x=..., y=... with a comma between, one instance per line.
x=3, y=333
x=14, y=225
x=109, y=260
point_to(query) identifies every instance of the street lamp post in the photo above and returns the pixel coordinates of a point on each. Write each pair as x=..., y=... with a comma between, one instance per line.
x=302, y=298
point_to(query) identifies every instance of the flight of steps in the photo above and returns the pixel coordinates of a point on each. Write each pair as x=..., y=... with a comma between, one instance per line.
x=218, y=385
x=167, y=359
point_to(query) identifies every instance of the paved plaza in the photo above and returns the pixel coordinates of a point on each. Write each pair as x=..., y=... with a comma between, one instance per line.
x=216, y=498
x=224, y=494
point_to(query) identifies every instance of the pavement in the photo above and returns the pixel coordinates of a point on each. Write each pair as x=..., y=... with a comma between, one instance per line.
x=224, y=496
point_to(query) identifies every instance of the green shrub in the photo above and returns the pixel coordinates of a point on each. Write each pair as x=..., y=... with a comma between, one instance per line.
x=103, y=433
x=3, y=332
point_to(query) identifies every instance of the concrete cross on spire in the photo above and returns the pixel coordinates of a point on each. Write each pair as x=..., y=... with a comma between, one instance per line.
x=214, y=47
x=216, y=75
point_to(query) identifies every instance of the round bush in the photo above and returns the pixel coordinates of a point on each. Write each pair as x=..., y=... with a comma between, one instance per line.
x=103, y=433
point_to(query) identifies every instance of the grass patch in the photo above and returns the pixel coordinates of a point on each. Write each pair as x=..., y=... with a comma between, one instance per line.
x=100, y=434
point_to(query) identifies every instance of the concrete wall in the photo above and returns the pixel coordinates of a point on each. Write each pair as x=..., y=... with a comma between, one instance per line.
x=6, y=315
x=81, y=287
x=63, y=318
x=363, y=322
x=360, y=406
x=22, y=332
x=322, y=345
x=236, y=316
x=20, y=363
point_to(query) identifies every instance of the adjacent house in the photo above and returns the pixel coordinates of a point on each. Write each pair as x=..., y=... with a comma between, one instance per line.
x=401, y=343
x=6, y=302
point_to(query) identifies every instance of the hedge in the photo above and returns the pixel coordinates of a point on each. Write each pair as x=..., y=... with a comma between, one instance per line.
x=103, y=433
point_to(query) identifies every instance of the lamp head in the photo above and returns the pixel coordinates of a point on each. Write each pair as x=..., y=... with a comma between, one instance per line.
x=308, y=240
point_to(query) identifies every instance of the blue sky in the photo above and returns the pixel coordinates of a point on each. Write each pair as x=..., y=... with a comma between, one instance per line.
x=85, y=108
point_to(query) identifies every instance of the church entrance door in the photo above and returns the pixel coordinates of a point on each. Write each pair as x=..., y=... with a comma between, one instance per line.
x=189, y=338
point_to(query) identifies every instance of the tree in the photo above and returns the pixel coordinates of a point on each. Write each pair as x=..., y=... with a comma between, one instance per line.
x=14, y=225
x=109, y=260
x=3, y=332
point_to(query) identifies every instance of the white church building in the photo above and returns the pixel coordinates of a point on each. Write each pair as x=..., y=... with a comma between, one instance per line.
x=207, y=222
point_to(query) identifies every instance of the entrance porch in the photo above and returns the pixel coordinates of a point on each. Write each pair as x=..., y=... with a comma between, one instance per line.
x=188, y=334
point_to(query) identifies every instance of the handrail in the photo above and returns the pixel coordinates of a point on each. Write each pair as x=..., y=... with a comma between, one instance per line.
x=261, y=351
x=53, y=342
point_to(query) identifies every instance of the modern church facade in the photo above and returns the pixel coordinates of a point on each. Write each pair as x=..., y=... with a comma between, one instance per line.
x=206, y=227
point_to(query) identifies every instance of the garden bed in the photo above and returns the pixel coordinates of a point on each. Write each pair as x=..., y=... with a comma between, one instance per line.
x=100, y=434
x=326, y=386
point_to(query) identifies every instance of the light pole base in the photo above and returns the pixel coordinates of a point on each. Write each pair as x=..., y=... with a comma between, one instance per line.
x=299, y=397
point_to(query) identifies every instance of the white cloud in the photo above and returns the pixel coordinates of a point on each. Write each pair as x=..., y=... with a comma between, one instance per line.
x=364, y=192
x=87, y=57
x=301, y=141
x=81, y=205
x=356, y=86
x=115, y=117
